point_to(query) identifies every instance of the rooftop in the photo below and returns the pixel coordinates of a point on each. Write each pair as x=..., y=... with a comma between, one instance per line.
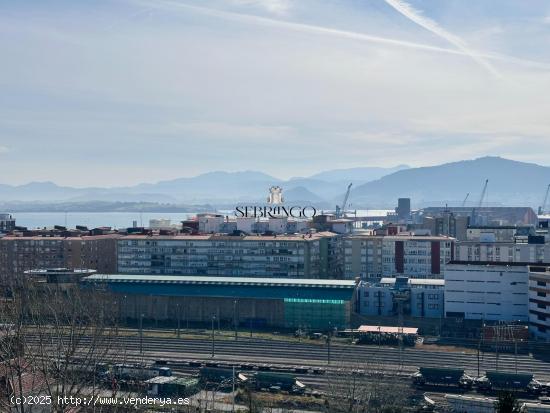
x=499, y=264
x=415, y=281
x=44, y=271
x=389, y=330
x=226, y=237
x=225, y=287
x=191, y=279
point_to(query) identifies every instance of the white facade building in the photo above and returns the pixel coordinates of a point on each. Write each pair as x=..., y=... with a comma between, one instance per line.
x=487, y=291
x=539, y=302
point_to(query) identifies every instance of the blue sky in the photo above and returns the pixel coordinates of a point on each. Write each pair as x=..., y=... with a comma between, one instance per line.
x=119, y=92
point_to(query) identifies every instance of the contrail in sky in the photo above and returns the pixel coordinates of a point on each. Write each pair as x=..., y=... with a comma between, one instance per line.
x=300, y=27
x=406, y=10
x=461, y=50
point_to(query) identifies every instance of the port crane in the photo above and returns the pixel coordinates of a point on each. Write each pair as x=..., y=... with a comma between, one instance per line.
x=465, y=199
x=542, y=208
x=341, y=210
x=480, y=203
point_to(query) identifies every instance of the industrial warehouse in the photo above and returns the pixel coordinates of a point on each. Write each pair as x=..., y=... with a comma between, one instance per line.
x=232, y=301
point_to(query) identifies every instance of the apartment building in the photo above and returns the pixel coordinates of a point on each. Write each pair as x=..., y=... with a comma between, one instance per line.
x=421, y=298
x=375, y=256
x=539, y=301
x=490, y=291
x=363, y=256
x=416, y=256
x=21, y=253
x=313, y=255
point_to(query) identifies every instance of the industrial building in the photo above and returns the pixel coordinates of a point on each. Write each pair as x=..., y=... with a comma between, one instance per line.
x=492, y=215
x=229, y=301
x=422, y=297
x=490, y=291
x=7, y=223
x=447, y=224
x=314, y=255
x=403, y=210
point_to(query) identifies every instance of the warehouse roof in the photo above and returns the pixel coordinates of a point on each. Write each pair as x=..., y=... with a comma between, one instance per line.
x=414, y=281
x=192, y=279
x=226, y=287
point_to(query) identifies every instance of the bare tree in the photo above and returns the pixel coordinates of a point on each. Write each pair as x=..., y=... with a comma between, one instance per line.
x=55, y=338
x=366, y=388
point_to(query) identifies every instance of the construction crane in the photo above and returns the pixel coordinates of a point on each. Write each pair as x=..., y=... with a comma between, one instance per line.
x=480, y=203
x=542, y=208
x=465, y=199
x=341, y=210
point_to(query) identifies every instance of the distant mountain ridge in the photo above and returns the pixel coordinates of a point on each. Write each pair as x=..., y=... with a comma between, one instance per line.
x=216, y=186
x=510, y=183
x=357, y=174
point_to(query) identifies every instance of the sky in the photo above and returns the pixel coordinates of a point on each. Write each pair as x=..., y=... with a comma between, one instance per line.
x=109, y=93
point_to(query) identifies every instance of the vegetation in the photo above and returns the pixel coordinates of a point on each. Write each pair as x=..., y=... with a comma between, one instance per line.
x=507, y=403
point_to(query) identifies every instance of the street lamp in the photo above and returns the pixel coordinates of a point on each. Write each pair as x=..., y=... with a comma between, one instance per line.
x=141, y=333
x=178, y=315
x=328, y=341
x=235, y=318
x=213, y=336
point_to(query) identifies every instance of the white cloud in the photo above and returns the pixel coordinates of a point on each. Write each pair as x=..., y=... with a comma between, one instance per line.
x=3, y=149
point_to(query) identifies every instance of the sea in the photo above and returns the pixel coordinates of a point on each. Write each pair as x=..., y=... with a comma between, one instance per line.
x=121, y=219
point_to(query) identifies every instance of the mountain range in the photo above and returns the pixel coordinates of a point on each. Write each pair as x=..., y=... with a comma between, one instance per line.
x=510, y=183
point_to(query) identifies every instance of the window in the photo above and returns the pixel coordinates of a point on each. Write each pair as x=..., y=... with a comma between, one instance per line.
x=540, y=294
x=541, y=283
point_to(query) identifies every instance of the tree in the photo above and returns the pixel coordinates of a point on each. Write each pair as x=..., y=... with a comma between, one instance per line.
x=507, y=403
x=53, y=338
x=366, y=388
